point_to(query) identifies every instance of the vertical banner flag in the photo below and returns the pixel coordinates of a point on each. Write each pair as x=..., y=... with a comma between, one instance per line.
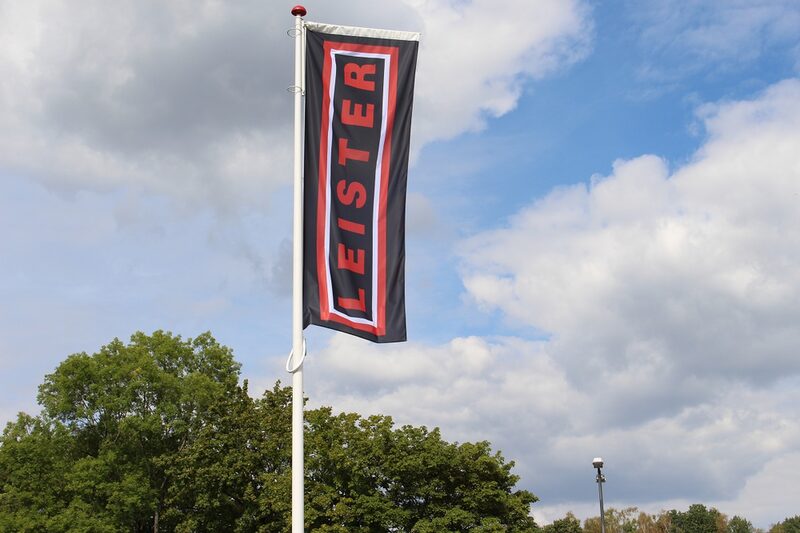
x=359, y=91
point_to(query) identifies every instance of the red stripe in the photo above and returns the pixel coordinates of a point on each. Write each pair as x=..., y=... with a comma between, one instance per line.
x=387, y=158
x=322, y=191
x=355, y=325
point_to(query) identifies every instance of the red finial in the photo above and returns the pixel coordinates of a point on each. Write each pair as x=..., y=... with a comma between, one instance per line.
x=299, y=11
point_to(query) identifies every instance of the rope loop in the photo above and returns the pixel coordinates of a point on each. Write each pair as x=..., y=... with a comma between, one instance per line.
x=289, y=368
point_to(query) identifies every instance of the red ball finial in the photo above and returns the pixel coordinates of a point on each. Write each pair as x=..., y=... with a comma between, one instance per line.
x=299, y=11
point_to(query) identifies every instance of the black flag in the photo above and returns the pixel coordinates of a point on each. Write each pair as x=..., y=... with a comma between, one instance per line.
x=359, y=92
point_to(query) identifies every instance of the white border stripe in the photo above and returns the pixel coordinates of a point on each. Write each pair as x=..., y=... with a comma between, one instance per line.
x=377, y=190
x=355, y=31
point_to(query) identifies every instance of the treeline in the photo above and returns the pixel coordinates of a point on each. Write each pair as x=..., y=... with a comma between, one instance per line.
x=159, y=435
x=697, y=519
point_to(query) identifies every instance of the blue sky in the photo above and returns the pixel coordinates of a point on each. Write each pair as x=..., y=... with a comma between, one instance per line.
x=602, y=226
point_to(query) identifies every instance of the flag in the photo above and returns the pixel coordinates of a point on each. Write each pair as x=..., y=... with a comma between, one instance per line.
x=359, y=91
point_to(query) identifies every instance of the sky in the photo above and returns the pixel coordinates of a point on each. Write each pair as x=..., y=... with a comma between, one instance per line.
x=603, y=226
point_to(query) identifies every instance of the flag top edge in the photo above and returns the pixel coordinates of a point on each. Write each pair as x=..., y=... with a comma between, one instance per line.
x=355, y=31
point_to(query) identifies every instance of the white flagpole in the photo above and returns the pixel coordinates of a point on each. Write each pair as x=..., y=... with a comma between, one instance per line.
x=297, y=283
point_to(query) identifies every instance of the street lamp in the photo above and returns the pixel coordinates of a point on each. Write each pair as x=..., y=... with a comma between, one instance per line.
x=597, y=462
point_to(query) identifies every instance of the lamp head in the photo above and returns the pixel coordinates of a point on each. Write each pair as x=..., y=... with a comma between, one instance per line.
x=597, y=462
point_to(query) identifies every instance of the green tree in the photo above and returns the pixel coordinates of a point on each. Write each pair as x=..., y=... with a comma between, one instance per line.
x=660, y=523
x=568, y=524
x=158, y=435
x=697, y=519
x=737, y=524
x=365, y=475
x=617, y=521
x=34, y=459
x=235, y=475
x=111, y=421
x=789, y=525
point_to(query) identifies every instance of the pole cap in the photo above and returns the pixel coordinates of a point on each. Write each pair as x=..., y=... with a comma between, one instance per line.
x=299, y=11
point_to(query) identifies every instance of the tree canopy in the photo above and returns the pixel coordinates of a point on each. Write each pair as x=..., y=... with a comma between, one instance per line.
x=568, y=524
x=790, y=525
x=159, y=435
x=696, y=519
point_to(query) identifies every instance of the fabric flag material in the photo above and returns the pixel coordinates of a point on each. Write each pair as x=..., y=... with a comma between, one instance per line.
x=359, y=93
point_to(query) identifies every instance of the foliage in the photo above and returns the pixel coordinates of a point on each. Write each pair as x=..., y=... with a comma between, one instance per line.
x=568, y=524
x=789, y=525
x=111, y=422
x=366, y=476
x=158, y=435
x=627, y=520
x=34, y=459
x=647, y=523
x=697, y=519
x=737, y=524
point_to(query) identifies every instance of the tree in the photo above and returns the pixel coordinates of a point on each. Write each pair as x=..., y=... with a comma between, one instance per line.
x=568, y=524
x=34, y=459
x=660, y=523
x=737, y=524
x=789, y=525
x=235, y=476
x=158, y=435
x=697, y=519
x=364, y=475
x=617, y=521
x=110, y=423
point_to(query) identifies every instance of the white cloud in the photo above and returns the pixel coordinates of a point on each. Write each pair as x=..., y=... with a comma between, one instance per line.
x=174, y=99
x=188, y=99
x=514, y=394
x=767, y=505
x=765, y=498
x=670, y=297
x=668, y=288
x=475, y=57
x=693, y=273
x=465, y=384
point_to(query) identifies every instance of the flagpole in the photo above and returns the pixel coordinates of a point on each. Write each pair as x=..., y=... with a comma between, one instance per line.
x=297, y=284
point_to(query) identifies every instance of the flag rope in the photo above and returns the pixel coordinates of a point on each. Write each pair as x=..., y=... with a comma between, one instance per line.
x=292, y=369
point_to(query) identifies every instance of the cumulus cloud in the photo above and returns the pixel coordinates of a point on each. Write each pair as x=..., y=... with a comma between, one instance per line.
x=669, y=298
x=516, y=395
x=176, y=99
x=666, y=286
x=470, y=386
x=188, y=99
x=476, y=55
x=690, y=273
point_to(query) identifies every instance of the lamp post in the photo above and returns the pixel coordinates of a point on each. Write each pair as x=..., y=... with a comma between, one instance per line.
x=597, y=462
